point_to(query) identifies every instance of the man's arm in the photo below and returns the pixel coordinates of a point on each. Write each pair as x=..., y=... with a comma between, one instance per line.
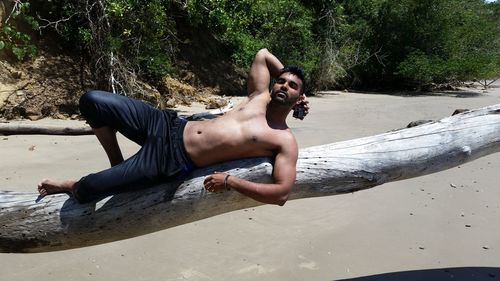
x=264, y=66
x=284, y=174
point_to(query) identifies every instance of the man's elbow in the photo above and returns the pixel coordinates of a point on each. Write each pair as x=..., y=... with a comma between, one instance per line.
x=262, y=54
x=262, y=51
x=281, y=197
x=281, y=200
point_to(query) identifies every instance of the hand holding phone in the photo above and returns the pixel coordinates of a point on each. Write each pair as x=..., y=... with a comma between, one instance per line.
x=301, y=108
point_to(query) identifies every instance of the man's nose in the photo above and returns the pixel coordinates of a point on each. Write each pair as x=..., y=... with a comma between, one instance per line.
x=284, y=86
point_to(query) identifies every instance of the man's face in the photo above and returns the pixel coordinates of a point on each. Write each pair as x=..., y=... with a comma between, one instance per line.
x=286, y=90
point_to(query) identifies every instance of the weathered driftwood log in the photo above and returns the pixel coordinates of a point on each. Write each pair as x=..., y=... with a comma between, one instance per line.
x=36, y=129
x=58, y=222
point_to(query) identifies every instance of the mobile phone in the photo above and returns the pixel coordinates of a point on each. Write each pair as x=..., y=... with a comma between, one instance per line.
x=299, y=111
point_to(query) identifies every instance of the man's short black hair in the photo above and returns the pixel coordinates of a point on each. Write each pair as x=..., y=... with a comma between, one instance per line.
x=297, y=71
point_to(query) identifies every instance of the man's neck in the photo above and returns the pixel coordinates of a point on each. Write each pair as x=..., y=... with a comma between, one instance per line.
x=276, y=115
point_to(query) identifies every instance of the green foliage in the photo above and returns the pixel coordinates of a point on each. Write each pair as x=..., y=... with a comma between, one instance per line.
x=15, y=40
x=423, y=69
x=138, y=32
x=342, y=29
x=245, y=26
x=339, y=42
x=142, y=32
x=434, y=41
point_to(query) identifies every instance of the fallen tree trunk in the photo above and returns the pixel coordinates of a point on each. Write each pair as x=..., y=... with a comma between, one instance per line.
x=58, y=222
x=36, y=129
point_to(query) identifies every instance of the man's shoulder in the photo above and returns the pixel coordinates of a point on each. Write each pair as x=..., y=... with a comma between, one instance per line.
x=285, y=138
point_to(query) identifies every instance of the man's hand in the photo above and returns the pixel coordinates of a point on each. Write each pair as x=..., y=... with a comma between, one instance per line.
x=302, y=101
x=215, y=182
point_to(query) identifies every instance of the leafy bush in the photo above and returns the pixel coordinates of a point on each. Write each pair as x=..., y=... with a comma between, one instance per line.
x=13, y=38
x=124, y=39
x=435, y=41
x=340, y=43
x=342, y=28
x=245, y=26
x=423, y=69
x=142, y=32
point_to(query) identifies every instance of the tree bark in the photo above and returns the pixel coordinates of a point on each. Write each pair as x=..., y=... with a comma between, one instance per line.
x=57, y=222
x=34, y=129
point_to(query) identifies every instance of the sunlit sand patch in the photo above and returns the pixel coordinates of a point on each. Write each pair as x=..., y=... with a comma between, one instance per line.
x=307, y=264
x=256, y=267
x=187, y=274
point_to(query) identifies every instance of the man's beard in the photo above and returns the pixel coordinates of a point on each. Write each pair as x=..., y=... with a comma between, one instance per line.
x=281, y=98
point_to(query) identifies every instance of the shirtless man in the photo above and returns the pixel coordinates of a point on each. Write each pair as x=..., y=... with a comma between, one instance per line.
x=257, y=127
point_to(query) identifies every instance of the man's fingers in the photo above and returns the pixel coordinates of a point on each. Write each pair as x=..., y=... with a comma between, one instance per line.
x=209, y=183
x=209, y=187
x=306, y=107
x=214, y=182
x=207, y=179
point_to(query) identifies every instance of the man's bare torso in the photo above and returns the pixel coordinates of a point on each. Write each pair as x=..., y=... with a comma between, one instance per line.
x=241, y=133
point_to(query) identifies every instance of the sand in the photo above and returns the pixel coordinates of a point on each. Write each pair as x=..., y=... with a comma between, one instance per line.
x=443, y=226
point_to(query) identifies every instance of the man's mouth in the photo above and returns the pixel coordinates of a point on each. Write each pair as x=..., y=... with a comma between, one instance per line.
x=282, y=94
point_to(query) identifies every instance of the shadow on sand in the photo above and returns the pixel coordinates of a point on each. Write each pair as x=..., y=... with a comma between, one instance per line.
x=462, y=93
x=441, y=274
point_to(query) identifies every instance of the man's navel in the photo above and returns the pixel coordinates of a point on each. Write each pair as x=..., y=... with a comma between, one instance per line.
x=198, y=132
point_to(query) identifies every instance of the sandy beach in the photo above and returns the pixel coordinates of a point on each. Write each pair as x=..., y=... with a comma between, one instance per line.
x=444, y=226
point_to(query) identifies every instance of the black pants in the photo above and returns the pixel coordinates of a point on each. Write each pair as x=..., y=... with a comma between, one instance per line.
x=162, y=156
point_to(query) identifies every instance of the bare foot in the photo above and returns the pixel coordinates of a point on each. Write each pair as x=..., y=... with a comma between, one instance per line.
x=47, y=186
